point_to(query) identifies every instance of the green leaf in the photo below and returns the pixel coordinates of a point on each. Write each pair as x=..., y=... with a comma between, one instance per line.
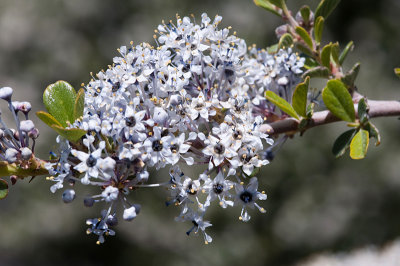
x=359, y=145
x=278, y=3
x=397, y=71
x=305, y=36
x=326, y=55
x=362, y=111
x=305, y=14
x=342, y=143
x=48, y=119
x=286, y=40
x=338, y=100
x=267, y=6
x=325, y=8
x=3, y=188
x=299, y=99
x=72, y=134
x=316, y=72
x=373, y=133
x=281, y=103
x=351, y=76
x=318, y=28
x=59, y=99
x=349, y=47
x=79, y=104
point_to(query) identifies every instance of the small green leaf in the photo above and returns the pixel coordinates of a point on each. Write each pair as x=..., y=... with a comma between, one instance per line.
x=349, y=47
x=305, y=36
x=338, y=100
x=310, y=110
x=305, y=14
x=325, y=8
x=286, y=40
x=310, y=63
x=281, y=103
x=359, y=145
x=299, y=98
x=397, y=71
x=318, y=28
x=351, y=76
x=342, y=143
x=326, y=55
x=267, y=6
x=272, y=49
x=3, y=188
x=316, y=72
x=304, y=49
x=373, y=133
x=335, y=52
x=72, y=134
x=48, y=119
x=278, y=3
x=362, y=111
x=79, y=104
x=59, y=99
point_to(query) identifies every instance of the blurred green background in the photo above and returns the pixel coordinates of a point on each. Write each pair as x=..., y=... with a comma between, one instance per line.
x=316, y=203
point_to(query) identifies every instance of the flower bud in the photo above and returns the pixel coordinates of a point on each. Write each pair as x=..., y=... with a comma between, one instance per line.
x=26, y=153
x=175, y=99
x=130, y=213
x=88, y=201
x=160, y=116
x=24, y=107
x=279, y=31
x=111, y=220
x=68, y=196
x=27, y=125
x=6, y=93
x=34, y=133
x=11, y=155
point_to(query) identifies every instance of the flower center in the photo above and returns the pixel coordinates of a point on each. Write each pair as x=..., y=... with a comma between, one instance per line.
x=174, y=148
x=219, y=148
x=91, y=161
x=115, y=87
x=157, y=145
x=130, y=121
x=218, y=188
x=246, y=196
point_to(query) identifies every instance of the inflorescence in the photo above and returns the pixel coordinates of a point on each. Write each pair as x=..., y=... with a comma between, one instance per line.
x=195, y=99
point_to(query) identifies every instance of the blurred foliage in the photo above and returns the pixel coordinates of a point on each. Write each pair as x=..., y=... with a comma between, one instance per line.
x=315, y=202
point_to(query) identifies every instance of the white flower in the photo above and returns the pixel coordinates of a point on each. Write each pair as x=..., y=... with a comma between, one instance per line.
x=247, y=198
x=110, y=194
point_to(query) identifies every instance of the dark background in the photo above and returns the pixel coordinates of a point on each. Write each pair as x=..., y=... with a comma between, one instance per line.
x=316, y=203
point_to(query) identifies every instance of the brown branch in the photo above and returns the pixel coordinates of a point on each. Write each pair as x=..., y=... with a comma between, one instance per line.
x=291, y=125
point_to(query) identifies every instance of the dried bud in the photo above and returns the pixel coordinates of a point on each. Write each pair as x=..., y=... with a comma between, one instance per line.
x=13, y=179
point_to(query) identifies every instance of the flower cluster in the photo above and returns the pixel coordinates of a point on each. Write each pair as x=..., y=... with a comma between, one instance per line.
x=17, y=144
x=195, y=99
